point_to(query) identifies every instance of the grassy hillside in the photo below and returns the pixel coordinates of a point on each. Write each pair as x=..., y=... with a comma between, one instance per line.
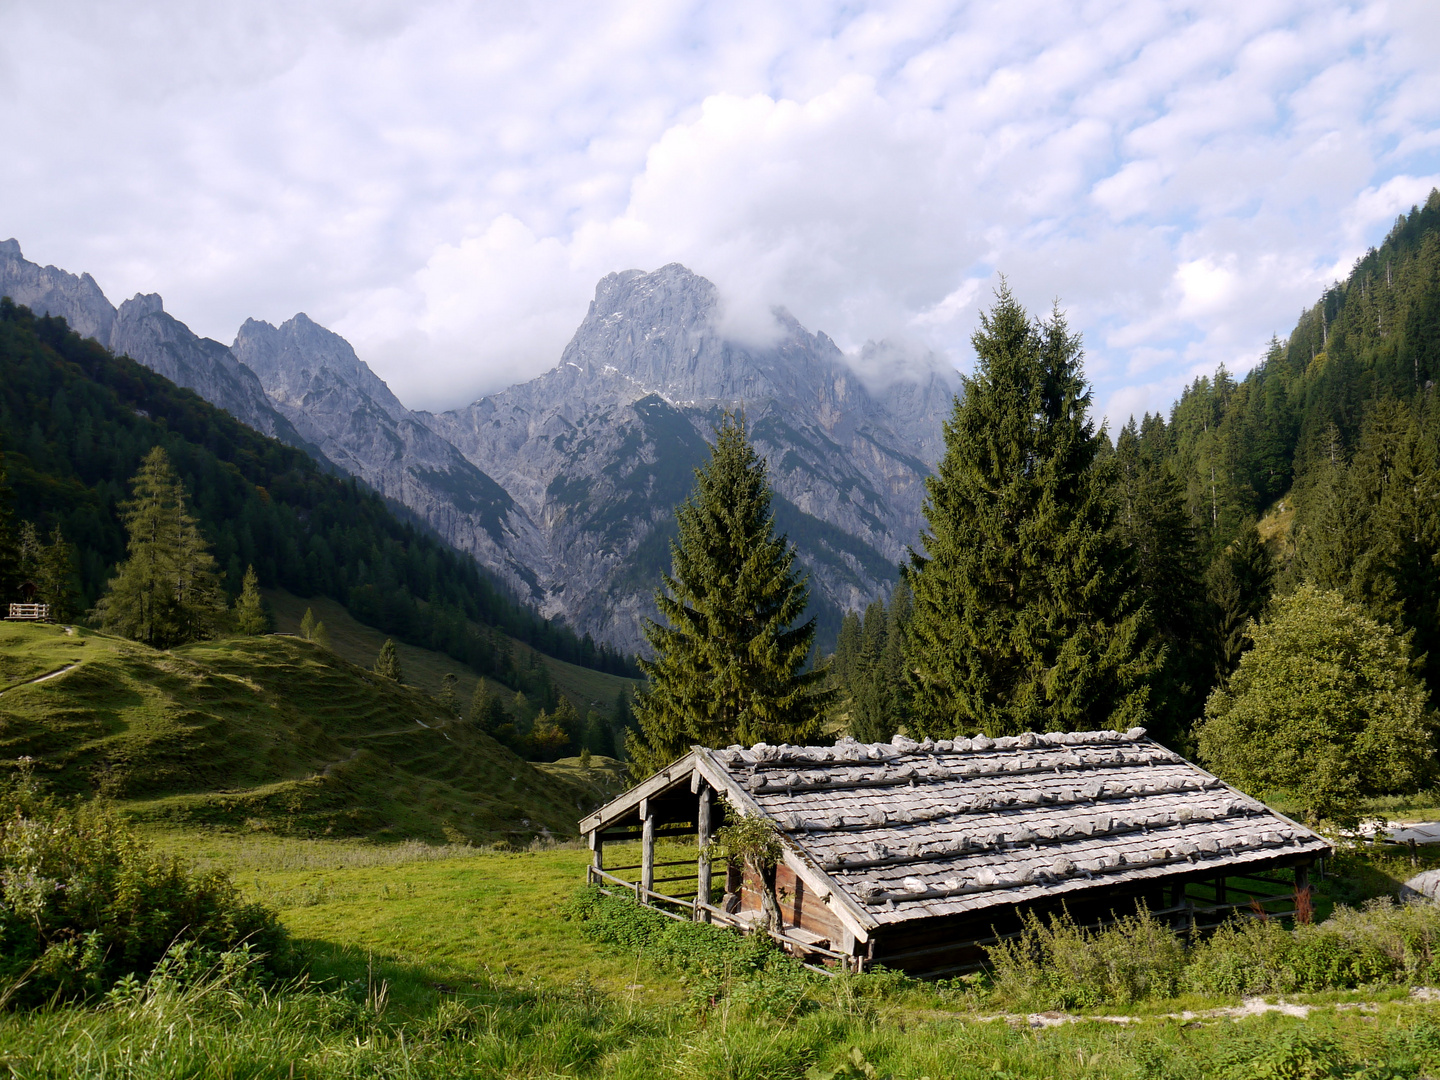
x=265, y=734
x=354, y=641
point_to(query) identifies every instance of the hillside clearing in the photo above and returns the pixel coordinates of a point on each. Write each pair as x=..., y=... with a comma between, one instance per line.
x=269, y=734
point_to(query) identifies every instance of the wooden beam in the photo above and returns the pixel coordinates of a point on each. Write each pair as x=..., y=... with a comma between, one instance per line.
x=597, y=849
x=647, y=849
x=702, y=838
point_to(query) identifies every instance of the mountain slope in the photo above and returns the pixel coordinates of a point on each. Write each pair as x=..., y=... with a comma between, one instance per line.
x=598, y=450
x=270, y=733
x=75, y=423
x=142, y=330
x=314, y=378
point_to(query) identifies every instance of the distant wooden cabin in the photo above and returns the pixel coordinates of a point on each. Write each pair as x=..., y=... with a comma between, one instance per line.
x=915, y=855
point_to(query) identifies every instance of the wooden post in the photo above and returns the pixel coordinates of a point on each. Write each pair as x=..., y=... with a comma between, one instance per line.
x=702, y=839
x=1302, y=879
x=1220, y=896
x=597, y=855
x=647, y=848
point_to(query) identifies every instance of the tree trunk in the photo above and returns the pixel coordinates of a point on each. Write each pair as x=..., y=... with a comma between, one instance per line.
x=768, y=902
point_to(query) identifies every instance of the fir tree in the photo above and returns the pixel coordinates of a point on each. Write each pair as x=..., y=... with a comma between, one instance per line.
x=487, y=711
x=250, y=617
x=387, y=664
x=1026, y=613
x=55, y=576
x=448, y=701
x=729, y=659
x=1153, y=523
x=1239, y=585
x=9, y=547
x=166, y=592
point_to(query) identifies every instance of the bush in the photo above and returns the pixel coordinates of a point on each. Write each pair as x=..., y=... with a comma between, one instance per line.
x=84, y=902
x=713, y=962
x=1058, y=965
x=1384, y=942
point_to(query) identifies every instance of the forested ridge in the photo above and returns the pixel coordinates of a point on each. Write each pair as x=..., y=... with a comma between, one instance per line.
x=1319, y=466
x=76, y=421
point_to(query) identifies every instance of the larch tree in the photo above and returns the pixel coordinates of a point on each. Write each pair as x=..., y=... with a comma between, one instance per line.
x=167, y=591
x=387, y=664
x=250, y=617
x=1026, y=615
x=730, y=656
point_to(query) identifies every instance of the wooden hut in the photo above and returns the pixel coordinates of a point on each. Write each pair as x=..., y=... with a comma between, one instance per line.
x=916, y=854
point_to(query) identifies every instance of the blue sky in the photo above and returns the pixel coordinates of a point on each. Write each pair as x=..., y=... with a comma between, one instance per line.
x=444, y=182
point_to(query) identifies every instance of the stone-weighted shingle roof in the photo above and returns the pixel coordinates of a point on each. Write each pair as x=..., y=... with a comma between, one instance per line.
x=911, y=830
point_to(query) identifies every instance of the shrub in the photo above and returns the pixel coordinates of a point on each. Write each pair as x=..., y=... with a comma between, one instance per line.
x=712, y=961
x=84, y=902
x=1383, y=942
x=1059, y=965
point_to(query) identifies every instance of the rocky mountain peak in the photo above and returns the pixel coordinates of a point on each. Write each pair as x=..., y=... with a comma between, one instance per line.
x=142, y=304
x=10, y=248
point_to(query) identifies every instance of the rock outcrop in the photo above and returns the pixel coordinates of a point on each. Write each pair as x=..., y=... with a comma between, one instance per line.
x=142, y=330
x=335, y=401
x=598, y=450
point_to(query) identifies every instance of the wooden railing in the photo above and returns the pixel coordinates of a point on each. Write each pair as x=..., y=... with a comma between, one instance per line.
x=32, y=612
x=710, y=913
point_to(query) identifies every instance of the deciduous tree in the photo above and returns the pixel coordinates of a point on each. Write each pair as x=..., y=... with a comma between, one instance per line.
x=1326, y=705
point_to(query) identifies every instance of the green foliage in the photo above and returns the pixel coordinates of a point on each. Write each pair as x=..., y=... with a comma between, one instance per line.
x=1326, y=705
x=729, y=663
x=167, y=591
x=1239, y=585
x=1383, y=943
x=713, y=962
x=1152, y=522
x=387, y=664
x=448, y=700
x=251, y=618
x=86, y=902
x=868, y=668
x=1056, y=964
x=9, y=540
x=1027, y=616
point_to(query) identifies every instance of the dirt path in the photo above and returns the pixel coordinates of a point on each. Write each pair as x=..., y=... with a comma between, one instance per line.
x=1255, y=1006
x=41, y=678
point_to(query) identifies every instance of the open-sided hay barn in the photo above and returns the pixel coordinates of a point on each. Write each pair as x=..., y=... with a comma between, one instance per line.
x=914, y=854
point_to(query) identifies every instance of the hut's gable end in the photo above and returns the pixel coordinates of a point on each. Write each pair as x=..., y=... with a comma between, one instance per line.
x=910, y=830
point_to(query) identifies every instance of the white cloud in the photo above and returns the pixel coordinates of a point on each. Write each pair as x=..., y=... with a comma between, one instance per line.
x=445, y=182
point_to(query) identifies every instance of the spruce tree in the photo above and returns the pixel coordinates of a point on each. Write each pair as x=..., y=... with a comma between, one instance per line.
x=9, y=545
x=729, y=659
x=1026, y=615
x=387, y=664
x=448, y=701
x=1152, y=522
x=55, y=576
x=250, y=617
x=166, y=592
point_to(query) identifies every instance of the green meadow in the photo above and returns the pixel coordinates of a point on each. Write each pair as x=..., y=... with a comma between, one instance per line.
x=445, y=961
x=432, y=884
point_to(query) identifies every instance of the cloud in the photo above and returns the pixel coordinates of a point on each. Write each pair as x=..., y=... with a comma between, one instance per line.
x=445, y=182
